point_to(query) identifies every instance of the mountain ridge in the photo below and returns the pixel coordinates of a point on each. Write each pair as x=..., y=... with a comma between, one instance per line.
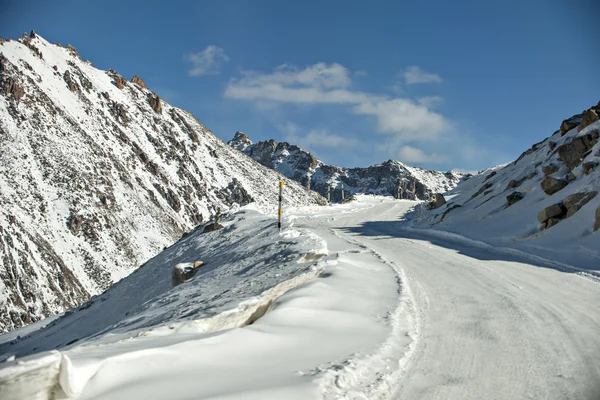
x=390, y=178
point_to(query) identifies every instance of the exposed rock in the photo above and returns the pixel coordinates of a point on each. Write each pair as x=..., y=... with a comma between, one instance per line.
x=73, y=51
x=214, y=226
x=32, y=34
x=589, y=117
x=513, y=198
x=514, y=183
x=139, y=81
x=482, y=189
x=570, y=123
x=574, y=202
x=528, y=152
x=549, y=169
x=597, y=224
x=437, y=201
x=551, y=146
x=550, y=223
x=573, y=152
x=588, y=167
x=71, y=84
x=493, y=173
x=570, y=177
x=155, y=103
x=10, y=86
x=553, y=211
x=552, y=185
x=120, y=82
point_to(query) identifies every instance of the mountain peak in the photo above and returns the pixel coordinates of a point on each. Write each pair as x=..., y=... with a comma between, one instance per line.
x=240, y=141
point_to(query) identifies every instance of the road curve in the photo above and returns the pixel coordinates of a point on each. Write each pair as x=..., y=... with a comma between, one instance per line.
x=492, y=326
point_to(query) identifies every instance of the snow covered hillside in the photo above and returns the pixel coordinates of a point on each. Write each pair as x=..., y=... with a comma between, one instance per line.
x=381, y=179
x=98, y=174
x=545, y=203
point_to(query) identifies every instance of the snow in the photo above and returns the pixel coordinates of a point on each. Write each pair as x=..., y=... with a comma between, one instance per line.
x=347, y=301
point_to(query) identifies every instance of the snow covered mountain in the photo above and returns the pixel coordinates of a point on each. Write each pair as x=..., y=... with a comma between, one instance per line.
x=546, y=202
x=381, y=179
x=98, y=174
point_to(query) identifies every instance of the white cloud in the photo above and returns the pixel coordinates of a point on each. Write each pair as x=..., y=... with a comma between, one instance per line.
x=206, y=62
x=430, y=101
x=402, y=117
x=409, y=154
x=414, y=74
x=315, y=138
x=322, y=84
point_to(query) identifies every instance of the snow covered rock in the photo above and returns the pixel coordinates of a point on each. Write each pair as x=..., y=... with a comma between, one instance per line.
x=551, y=185
x=95, y=178
x=390, y=178
x=437, y=201
x=513, y=198
x=554, y=211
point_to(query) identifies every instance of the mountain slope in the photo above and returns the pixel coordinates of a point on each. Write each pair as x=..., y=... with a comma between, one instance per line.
x=388, y=178
x=545, y=203
x=98, y=174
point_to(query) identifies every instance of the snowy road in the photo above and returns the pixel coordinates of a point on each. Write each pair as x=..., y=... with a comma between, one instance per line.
x=491, y=326
x=387, y=312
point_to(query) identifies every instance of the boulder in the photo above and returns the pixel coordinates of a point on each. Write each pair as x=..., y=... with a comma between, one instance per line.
x=183, y=272
x=139, y=81
x=513, y=198
x=549, y=169
x=588, y=167
x=437, y=201
x=597, y=225
x=551, y=146
x=573, y=153
x=589, y=117
x=574, y=202
x=550, y=223
x=554, y=211
x=514, y=183
x=552, y=185
x=570, y=123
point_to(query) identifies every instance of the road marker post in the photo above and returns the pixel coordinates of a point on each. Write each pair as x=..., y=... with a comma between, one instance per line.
x=280, y=211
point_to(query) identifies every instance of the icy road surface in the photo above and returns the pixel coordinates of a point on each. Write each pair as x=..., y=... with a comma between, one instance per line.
x=360, y=306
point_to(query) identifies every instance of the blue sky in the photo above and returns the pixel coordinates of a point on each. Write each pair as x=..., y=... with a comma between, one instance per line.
x=437, y=84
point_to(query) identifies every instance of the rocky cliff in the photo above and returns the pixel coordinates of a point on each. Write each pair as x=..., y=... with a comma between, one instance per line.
x=98, y=174
x=391, y=178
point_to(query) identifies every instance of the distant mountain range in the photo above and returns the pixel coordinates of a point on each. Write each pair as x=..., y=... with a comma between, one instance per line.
x=390, y=178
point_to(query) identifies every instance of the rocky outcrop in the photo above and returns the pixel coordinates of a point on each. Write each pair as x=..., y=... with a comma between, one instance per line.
x=514, y=183
x=573, y=152
x=549, y=169
x=154, y=102
x=437, y=201
x=71, y=83
x=514, y=198
x=492, y=174
x=120, y=82
x=482, y=189
x=551, y=185
x=589, y=117
x=555, y=211
x=574, y=202
x=570, y=123
x=10, y=86
x=138, y=81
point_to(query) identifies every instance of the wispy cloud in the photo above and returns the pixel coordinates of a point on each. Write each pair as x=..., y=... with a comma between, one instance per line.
x=331, y=84
x=410, y=155
x=430, y=101
x=414, y=74
x=207, y=61
x=315, y=139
